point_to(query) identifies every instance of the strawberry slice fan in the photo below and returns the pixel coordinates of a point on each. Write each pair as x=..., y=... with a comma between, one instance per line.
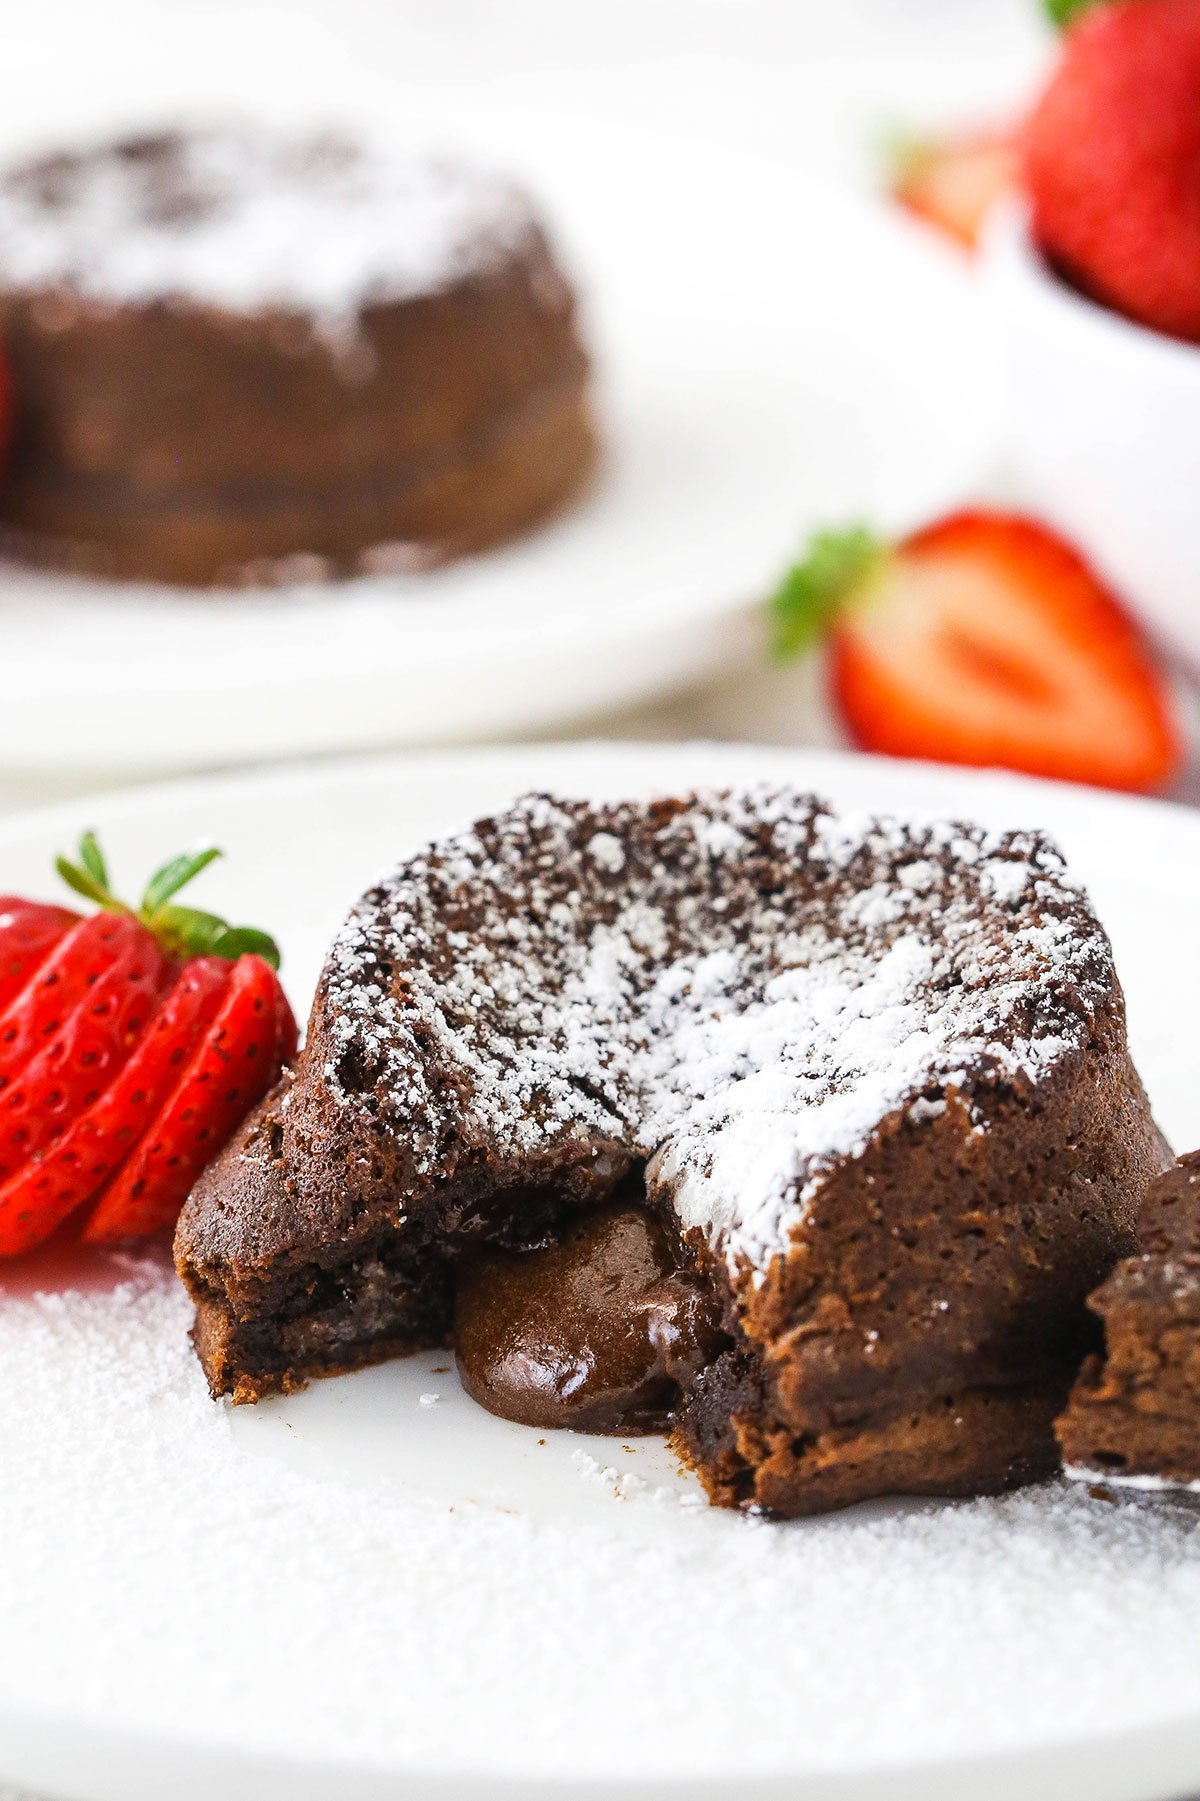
x=132, y=1043
x=983, y=639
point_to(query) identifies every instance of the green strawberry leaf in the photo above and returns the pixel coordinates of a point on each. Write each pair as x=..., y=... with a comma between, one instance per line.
x=241, y=941
x=814, y=592
x=83, y=882
x=92, y=859
x=189, y=931
x=173, y=876
x=1063, y=13
x=182, y=931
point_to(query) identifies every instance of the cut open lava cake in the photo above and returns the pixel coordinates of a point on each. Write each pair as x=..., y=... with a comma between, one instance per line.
x=869, y=1077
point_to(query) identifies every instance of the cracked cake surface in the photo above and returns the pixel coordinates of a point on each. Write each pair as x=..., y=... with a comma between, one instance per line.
x=874, y=1072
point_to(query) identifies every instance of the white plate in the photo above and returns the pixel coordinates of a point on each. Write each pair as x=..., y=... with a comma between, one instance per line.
x=350, y=1594
x=772, y=354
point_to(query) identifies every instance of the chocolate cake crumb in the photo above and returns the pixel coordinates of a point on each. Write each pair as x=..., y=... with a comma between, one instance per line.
x=1134, y=1414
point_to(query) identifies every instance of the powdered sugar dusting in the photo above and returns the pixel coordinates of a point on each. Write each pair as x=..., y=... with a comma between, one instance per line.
x=245, y=221
x=737, y=989
x=158, y=1577
x=1126, y=1479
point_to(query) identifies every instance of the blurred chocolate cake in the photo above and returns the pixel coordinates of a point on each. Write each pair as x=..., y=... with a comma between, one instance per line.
x=240, y=357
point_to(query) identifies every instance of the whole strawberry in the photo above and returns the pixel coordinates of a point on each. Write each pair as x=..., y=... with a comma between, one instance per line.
x=132, y=1043
x=1112, y=158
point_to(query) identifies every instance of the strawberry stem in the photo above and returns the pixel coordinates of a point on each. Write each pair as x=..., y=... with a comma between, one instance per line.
x=182, y=931
x=813, y=592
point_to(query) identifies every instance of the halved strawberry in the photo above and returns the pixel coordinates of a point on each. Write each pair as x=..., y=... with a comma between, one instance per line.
x=127, y=1033
x=29, y=930
x=983, y=639
x=235, y=1062
x=954, y=182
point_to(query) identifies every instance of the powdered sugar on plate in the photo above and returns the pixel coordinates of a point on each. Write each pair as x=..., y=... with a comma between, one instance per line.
x=158, y=1577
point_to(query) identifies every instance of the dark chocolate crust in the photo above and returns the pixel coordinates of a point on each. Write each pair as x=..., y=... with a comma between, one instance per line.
x=1134, y=1413
x=915, y=1321
x=172, y=440
x=968, y=1254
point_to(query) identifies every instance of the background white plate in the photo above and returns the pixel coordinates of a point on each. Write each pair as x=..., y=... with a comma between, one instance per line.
x=350, y=1595
x=771, y=354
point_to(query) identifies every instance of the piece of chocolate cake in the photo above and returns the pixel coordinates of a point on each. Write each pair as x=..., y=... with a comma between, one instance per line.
x=871, y=1078
x=237, y=357
x=1134, y=1414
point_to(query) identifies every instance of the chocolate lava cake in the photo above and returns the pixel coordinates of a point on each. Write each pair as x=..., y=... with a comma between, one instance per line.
x=1134, y=1414
x=245, y=358
x=869, y=1079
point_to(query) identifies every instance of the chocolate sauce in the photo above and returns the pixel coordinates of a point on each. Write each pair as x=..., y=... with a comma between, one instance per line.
x=597, y=1332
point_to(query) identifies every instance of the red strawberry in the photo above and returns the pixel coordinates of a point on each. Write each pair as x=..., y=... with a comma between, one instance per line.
x=97, y=1028
x=131, y=1045
x=953, y=183
x=982, y=639
x=50, y=1187
x=37, y=1014
x=29, y=931
x=234, y=1064
x=1112, y=156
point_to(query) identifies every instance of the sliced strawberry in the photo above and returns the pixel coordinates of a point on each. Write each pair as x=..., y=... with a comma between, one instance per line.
x=131, y=1045
x=953, y=183
x=29, y=931
x=49, y=1188
x=984, y=639
x=235, y=1063
x=74, y=966
x=74, y=1065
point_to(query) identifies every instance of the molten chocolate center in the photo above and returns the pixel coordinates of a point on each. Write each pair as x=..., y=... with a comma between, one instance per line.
x=597, y=1332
